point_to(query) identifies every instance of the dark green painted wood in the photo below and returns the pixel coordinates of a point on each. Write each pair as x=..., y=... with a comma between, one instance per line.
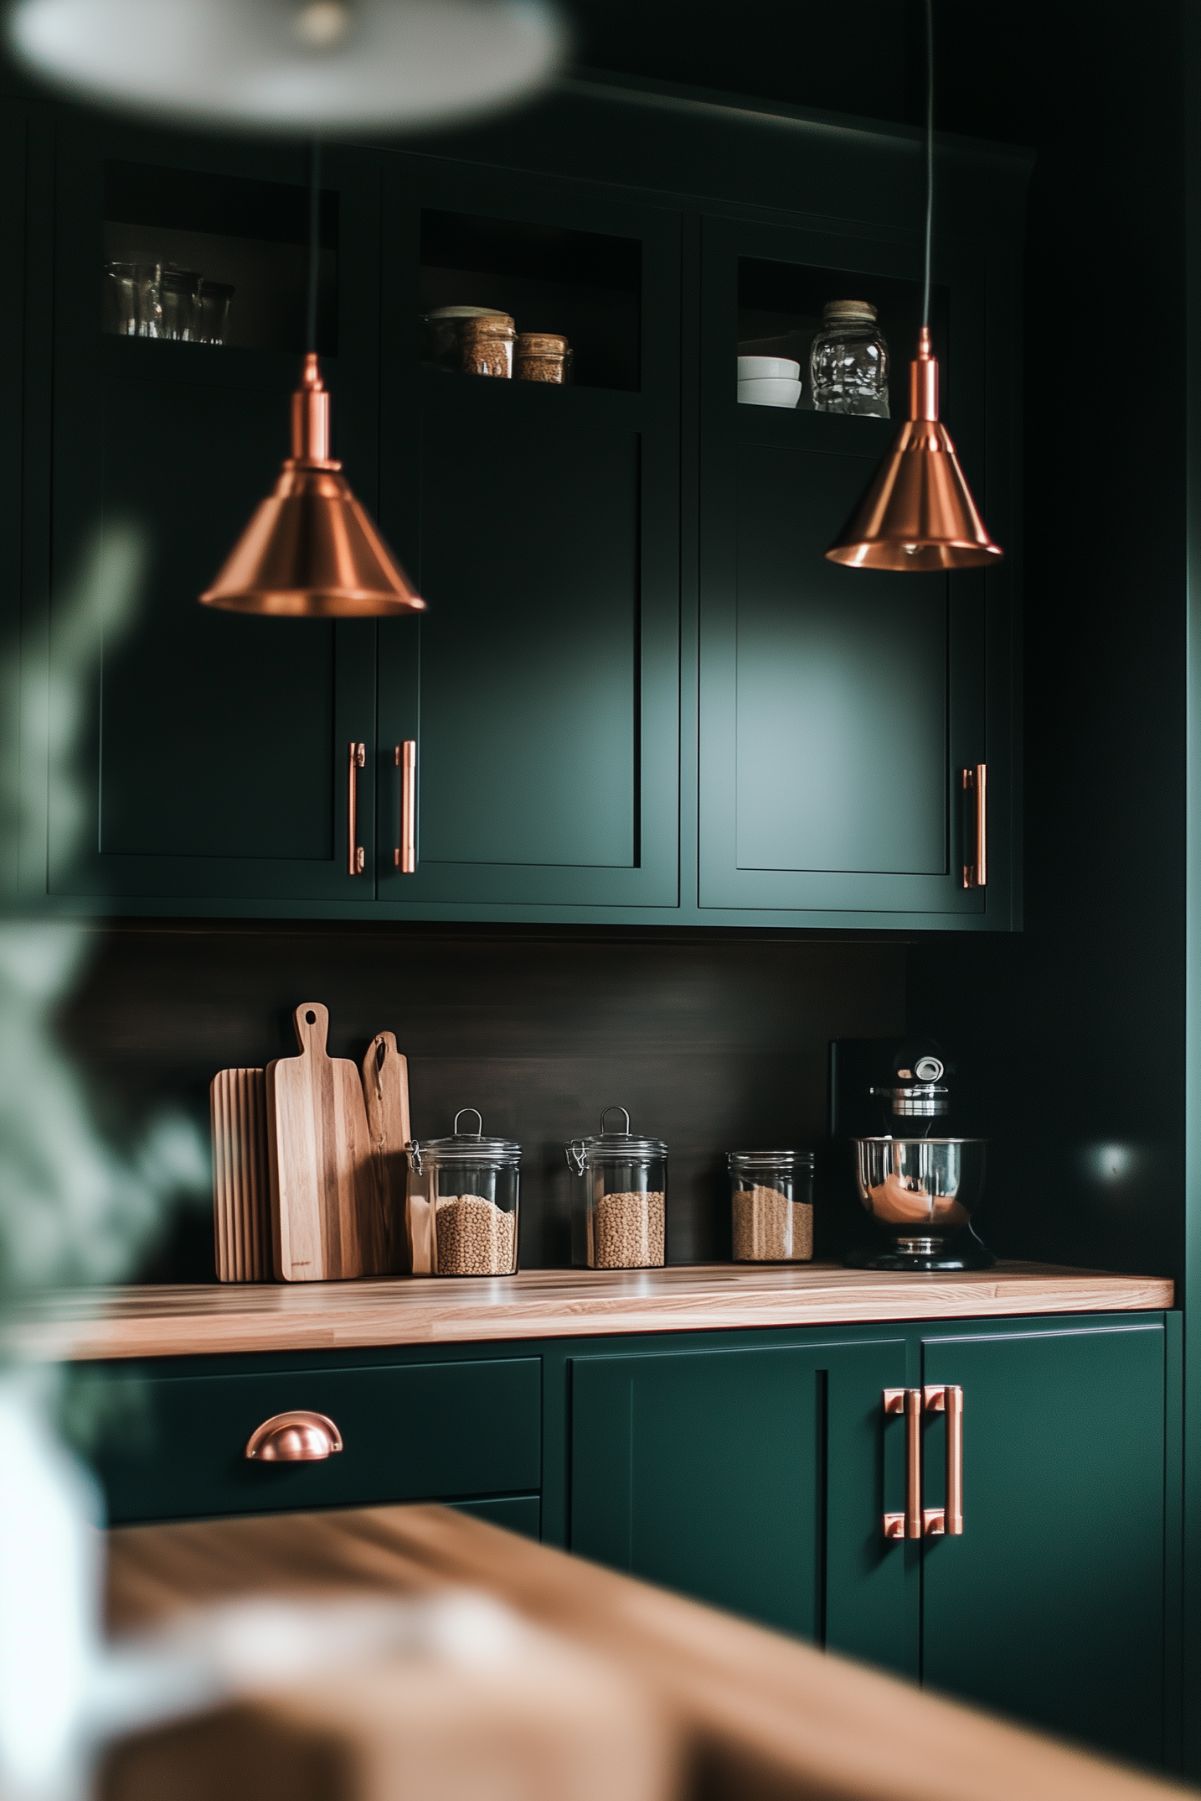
x=432, y=1431
x=217, y=744
x=751, y=1479
x=516, y=1513
x=1051, y=1604
x=838, y=707
x=542, y=689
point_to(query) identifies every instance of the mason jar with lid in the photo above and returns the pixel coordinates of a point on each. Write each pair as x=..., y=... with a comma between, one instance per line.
x=462, y=1202
x=542, y=356
x=619, y=1220
x=848, y=361
x=488, y=345
x=771, y=1206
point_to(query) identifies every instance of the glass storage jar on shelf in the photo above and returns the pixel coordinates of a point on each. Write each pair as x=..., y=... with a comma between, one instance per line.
x=619, y=1219
x=771, y=1206
x=848, y=361
x=462, y=1201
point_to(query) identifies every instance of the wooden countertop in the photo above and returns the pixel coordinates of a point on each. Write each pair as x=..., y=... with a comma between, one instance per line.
x=752, y=1715
x=201, y=1319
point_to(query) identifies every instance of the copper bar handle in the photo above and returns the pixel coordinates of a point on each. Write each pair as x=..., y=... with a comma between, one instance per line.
x=948, y=1520
x=909, y=1402
x=975, y=784
x=356, y=856
x=405, y=854
x=293, y=1438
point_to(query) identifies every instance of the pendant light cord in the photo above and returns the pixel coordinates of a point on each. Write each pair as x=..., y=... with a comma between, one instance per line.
x=929, y=161
x=310, y=317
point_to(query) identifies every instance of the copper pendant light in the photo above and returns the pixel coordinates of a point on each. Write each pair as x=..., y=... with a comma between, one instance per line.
x=310, y=550
x=918, y=512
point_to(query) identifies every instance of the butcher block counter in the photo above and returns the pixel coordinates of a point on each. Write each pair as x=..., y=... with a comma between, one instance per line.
x=201, y=1319
x=690, y=1701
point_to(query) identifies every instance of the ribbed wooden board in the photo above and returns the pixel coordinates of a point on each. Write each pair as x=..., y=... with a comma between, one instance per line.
x=241, y=1182
x=195, y=1318
x=326, y=1217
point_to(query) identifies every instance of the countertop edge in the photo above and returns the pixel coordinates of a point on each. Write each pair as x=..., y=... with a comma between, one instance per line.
x=215, y=1319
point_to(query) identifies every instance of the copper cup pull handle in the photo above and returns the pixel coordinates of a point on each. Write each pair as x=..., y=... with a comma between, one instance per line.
x=909, y=1402
x=975, y=785
x=405, y=854
x=293, y=1438
x=948, y=1520
x=356, y=856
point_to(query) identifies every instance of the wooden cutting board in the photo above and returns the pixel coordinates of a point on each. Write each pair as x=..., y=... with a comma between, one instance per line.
x=325, y=1208
x=241, y=1182
x=386, y=1091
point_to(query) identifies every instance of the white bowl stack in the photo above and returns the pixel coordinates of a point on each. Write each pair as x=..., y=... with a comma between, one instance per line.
x=768, y=381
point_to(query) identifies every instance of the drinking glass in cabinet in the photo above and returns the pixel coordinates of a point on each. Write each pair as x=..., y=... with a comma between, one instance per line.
x=463, y=1194
x=212, y=310
x=771, y=1206
x=177, y=295
x=619, y=1217
x=848, y=361
x=122, y=298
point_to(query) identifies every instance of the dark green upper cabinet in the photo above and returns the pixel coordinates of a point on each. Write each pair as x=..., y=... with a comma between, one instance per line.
x=541, y=689
x=639, y=695
x=838, y=708
x=216, y=747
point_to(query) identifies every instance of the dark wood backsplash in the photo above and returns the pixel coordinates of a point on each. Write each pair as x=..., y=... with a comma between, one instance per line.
x=711, y=1042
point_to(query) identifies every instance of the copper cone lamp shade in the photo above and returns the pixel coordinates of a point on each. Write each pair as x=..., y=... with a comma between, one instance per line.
x=310, y=551
x=918, y=512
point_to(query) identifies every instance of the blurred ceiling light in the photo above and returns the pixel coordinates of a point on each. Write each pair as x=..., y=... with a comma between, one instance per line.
x=289, y=65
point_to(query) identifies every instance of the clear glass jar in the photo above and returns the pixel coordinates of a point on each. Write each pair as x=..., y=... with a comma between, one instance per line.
x=488, y=345
x=848, y=361
x=542, y=356
x=771, y=1206
x=443, y=329
x=462, y=1202
x=619, y=1220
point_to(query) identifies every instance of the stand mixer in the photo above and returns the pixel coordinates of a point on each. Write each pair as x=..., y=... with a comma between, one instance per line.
x=920, y=1186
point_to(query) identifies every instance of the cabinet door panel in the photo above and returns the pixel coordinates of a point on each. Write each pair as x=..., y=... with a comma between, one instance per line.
x=542, y=685
x=1051, y=1604
x=750, y=1479
x=216, y=744
x=838, y=707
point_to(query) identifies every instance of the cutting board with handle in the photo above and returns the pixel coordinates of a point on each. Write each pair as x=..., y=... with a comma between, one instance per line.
x=386, y=1091
x=325, y=1206
x=241, y=1182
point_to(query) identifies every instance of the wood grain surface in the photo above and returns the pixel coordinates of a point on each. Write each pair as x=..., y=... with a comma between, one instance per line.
x=197, y=1318
x=386, y=1092
x=325, y=1209
x=241, y=1177
x=760, y=1716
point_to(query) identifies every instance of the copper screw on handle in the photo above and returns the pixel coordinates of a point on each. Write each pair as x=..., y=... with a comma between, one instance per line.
x=909, y=1402
x=948, y=1520
x=293, y=1438
x=405, y=854
x=975, y=783
x=356, y=856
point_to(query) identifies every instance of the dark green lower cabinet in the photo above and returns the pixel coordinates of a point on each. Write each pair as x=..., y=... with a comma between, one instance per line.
x=1051, y=1605
x=751, y=1479
x=516, y=1513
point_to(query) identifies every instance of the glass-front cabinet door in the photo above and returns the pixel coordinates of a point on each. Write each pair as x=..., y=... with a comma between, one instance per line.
x=839, y=708
x=529, y=721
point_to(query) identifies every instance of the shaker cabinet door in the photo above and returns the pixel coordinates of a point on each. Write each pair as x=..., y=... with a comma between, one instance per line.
x=1051, y=1605
x=540, y=690
x=839, y=708
x=213, y=748
x=754, y=1480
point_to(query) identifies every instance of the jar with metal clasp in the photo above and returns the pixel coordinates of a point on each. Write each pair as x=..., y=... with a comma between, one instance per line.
x=619, y=1220
x=462, y=1202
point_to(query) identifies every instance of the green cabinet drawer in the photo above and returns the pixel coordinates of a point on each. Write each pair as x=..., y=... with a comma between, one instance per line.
x=417, y=1432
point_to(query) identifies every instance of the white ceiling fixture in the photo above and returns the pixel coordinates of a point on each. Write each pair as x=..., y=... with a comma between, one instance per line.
x=291, y=65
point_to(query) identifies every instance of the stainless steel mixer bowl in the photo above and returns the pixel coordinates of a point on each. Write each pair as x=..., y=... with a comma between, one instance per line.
x=920, y=1191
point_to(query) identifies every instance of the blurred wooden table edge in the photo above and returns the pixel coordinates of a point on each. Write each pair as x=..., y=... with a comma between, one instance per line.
x=761, y=1714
